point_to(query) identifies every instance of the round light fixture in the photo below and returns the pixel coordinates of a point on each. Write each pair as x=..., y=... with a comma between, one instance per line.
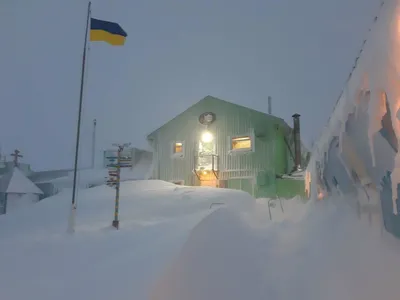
x=207, y=137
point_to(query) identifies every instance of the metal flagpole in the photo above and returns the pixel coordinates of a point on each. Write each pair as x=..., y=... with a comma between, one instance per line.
x=71, y=223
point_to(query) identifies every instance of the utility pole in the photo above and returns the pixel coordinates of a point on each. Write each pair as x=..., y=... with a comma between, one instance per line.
x=16, y=155
x=94, y=143
x=115, y=177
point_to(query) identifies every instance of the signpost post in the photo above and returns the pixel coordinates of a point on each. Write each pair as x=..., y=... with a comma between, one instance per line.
x=114, y=178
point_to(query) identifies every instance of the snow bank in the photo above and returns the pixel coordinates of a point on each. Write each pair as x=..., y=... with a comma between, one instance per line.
x=39, y=260
x=172, y=246
x=281, y=209
x=325, y=254
x=140, y=201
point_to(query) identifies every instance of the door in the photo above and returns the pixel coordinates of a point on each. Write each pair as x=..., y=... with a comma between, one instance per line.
x=206, y=165
x=207, y=178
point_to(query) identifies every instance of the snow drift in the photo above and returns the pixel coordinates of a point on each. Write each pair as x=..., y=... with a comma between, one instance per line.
x=39, y=260
x=172, y=246
x=324, y=254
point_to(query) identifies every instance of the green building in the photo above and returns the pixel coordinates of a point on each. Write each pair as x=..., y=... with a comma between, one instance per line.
x=221, y=144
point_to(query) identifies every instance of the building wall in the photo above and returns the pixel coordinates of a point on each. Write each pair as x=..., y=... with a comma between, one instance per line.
x=287, y=188
x=48, y=188
x=16, y=202
x=9, y=165
x=2, y=203
x=268, y=158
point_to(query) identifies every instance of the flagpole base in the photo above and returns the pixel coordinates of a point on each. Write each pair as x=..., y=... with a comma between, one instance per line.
x=115, y=224
x=71, y=221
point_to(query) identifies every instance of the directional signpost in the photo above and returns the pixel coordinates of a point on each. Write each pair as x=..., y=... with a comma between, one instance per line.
x=114, y=176
x=112, y=172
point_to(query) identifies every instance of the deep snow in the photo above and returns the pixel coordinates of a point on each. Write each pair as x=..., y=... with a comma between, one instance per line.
x=172, y=246
x=318, y=252
x=39, y=260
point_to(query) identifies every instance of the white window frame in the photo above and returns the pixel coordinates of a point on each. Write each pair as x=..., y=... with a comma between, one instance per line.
x=177, y=154
x=252, y=140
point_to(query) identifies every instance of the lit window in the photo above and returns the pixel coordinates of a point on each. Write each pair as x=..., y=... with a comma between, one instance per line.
x=241, y=143
x=178, y=147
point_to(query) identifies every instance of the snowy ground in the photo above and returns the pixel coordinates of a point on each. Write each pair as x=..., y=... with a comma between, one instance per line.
x=39, y=260
x=172, y=246
x=318, y=252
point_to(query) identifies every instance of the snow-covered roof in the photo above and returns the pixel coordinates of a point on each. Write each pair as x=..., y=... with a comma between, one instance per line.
x=16, y=182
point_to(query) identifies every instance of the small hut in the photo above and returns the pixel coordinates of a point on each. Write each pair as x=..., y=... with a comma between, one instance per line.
x=17, y=190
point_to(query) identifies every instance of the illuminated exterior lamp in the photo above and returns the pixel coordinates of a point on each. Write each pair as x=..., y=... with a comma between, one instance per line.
x=207, y=137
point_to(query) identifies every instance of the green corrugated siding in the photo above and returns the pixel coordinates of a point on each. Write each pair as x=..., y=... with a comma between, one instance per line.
x=289, y=188
x=266, y=185
x=281, y=154
x=243, y=184
x=270, y=153
x=234, y=184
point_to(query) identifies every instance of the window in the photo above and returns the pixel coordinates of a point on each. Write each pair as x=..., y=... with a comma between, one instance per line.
x=178, y=147
x=241, y=143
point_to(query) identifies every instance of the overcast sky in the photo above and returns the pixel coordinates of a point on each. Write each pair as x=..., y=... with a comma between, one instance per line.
x=177, y=52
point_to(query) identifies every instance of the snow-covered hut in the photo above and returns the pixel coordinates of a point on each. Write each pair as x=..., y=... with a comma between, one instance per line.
x=17, y=190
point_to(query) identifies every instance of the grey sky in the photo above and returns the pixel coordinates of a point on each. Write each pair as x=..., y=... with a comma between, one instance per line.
x=177, y=52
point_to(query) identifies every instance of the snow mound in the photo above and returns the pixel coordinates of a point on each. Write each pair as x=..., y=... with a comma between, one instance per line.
x=324, y=254
x=138, y=201
x=41, y=261
x=217, y=262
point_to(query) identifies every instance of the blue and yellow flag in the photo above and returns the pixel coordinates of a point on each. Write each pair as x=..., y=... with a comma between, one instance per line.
x=109, y=32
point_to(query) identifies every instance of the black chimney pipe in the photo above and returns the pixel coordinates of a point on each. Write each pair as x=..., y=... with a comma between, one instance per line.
x=297, y=143
x=269, y=105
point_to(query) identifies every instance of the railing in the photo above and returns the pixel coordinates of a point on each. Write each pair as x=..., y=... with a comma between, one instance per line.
x=206, y=162
x=270, y=204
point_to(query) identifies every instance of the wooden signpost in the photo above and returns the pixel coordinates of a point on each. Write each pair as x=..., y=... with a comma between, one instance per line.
x=114, y=176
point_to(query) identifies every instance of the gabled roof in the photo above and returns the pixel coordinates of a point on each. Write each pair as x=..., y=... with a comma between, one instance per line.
x=208, y=98
x=15, y=181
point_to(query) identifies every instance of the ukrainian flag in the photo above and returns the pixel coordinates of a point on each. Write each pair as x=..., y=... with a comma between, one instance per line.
x=109, y=32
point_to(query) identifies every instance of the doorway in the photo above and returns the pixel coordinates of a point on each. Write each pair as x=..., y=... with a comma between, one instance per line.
x=206, y=160
x=207, y=178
